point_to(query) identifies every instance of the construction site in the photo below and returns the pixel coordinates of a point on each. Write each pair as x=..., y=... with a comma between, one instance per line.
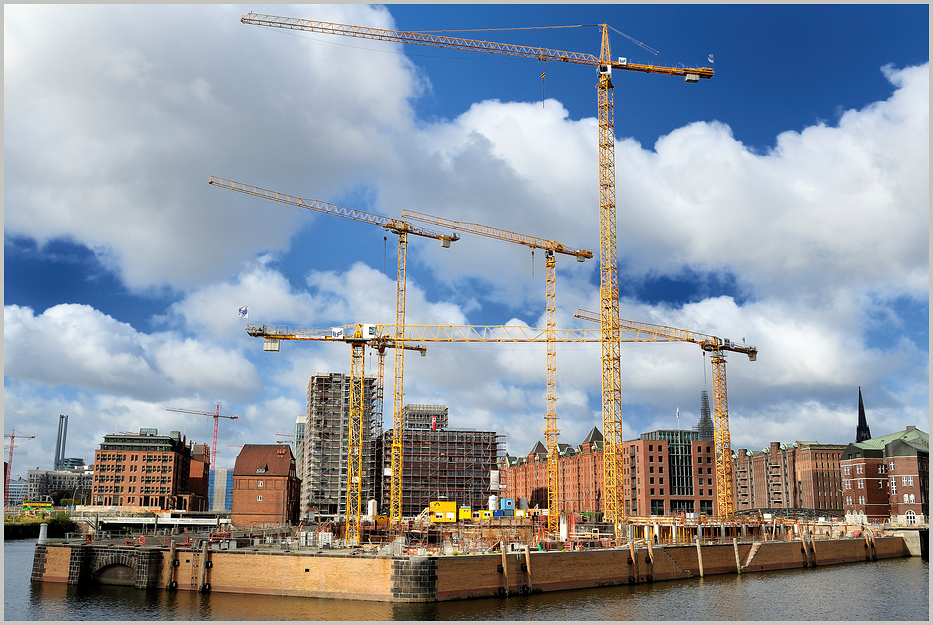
x=416, y=510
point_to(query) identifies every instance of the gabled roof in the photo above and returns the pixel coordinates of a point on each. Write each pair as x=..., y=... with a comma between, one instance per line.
x=272, y=459
x=538, y=448
x=595, y=436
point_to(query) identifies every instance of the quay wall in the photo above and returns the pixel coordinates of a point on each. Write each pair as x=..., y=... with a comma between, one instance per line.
x=441, y=578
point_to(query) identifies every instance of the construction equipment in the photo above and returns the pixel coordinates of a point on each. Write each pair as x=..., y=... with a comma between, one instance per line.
x=217, y=416
x=608, y=288
x=402, y=229
x=359, y=334
x=715, y=346
x=6, y=481
x=549, y=247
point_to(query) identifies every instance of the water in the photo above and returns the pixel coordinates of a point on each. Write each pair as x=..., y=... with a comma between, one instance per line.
x=888, y=590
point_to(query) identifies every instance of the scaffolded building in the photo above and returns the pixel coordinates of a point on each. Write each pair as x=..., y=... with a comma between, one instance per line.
x=441, y=463
x=325, y=447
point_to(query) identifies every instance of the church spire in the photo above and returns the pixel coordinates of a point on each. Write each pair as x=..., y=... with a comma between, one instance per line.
x=862, y=433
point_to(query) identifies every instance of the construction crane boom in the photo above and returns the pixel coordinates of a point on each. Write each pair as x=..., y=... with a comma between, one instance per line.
x=550, y=247
x=721, y=436
x=402, y=229
x=216, y=414
x=472, y=45
x=610, y=356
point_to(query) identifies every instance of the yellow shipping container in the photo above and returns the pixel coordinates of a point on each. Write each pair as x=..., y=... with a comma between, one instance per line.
x=486, y=514
x=465, y=512
x=519, y=513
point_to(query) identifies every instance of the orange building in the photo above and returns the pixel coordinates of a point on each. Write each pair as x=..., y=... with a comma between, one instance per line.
x=266, y=488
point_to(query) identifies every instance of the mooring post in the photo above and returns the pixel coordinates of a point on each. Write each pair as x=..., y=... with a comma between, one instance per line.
x=738, y=563
x=505, y=566
x=202, y=573
x=699, y=555
x=171, y=564
x=633, y=555
x=528, y=565
x=650, y=561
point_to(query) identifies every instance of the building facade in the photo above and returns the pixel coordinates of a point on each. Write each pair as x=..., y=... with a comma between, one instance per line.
x=440, y=463
x=143, y=470
x=804, y=475
x=325, y=445
x=78, y=483
x=266, y=489
x=887, y=478
x=221, y=489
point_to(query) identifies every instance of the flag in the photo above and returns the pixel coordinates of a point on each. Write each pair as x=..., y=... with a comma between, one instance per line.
x=244, y=311
x=710, y=58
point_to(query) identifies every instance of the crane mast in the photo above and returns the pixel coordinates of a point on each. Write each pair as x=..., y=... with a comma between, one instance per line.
x=402, y=229
x=725, y=499
x=610, y=350
x=550, y=247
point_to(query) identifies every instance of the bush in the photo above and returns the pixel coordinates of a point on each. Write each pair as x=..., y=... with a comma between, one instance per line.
x=60, y=524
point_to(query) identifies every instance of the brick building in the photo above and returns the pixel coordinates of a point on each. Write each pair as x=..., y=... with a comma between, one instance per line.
x=78, y=483
x=266, y=488
x=888, y=478
x=805, y=475
x=144, y=470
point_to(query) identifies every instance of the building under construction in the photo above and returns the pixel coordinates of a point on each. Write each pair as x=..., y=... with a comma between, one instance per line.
x=441, y=463
x=325, y=445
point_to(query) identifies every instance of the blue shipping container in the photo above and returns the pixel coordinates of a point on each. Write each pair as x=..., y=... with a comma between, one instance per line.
x=506, y=504
x=497, y=513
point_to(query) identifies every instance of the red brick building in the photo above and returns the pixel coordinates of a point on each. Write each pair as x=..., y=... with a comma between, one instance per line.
x=804, y=475
x=887, y=478
x=266, y=488
x=199, y=479
x=142, y=470
x=669, y=472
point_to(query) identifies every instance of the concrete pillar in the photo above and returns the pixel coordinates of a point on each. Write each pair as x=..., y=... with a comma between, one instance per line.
x=700, y=557
x=43, y=533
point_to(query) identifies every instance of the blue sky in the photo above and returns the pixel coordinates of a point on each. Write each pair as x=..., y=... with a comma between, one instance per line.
x=785, y=201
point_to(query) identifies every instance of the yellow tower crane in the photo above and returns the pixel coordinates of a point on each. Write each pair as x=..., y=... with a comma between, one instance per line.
x=402, y=229
x=715, y=346
x=359, y=334
x=550, y=247
x=608, y=288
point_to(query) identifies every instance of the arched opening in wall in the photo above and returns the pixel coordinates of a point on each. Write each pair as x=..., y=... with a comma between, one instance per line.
x=911, y=517
x=116, y=575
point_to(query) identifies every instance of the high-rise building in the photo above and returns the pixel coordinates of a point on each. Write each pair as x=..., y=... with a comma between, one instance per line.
x=325, y=446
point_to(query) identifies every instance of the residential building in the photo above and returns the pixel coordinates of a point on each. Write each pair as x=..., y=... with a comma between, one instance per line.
x=220, y=489
x=325, y=446
x=144, y=470
x=441, y=463
x=887, y=478
x=78, y=483
x=266, y=488
x=19, y=490
x=804, y=475
x=199, y=478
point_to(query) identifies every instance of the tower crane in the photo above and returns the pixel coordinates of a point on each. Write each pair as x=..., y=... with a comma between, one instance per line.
x=608, y=288
x=549, y=247
x=217, y=416
x=402, y=229
x=359, y=334
x=9, y=472
x=715, y=346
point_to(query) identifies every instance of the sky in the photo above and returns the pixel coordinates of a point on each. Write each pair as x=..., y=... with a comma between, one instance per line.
x=784, y=203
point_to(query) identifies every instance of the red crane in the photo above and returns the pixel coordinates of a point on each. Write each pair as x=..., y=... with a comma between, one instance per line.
x=216, y=414
x=9, y=468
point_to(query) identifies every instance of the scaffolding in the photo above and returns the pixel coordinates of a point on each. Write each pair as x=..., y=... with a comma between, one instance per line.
x=444, y=464
x=326, y=445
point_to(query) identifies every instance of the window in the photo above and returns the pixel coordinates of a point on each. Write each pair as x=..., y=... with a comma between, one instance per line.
x=701, y=481
x=880, y=483
x=858, y=469
x=893, y=486
x=911, y=498
x=911, y=517
x=650, y=458
x=650, y=469
x=258, y=497
x=861, y=484
x=701, y=492
x=709, y=471
x=861, y=499
x=707, y=451
x=650, y=447
x=907, y=480
x=906, y=499
x=660, y=469
x=659, y=449
x=259, y=484
x=845, y=470
x=699, y=460
x=891, y=465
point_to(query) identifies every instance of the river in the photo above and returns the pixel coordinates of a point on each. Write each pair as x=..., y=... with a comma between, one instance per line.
x=887, y=590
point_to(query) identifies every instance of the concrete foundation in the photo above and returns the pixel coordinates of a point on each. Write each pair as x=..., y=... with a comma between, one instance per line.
x=342, y=575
